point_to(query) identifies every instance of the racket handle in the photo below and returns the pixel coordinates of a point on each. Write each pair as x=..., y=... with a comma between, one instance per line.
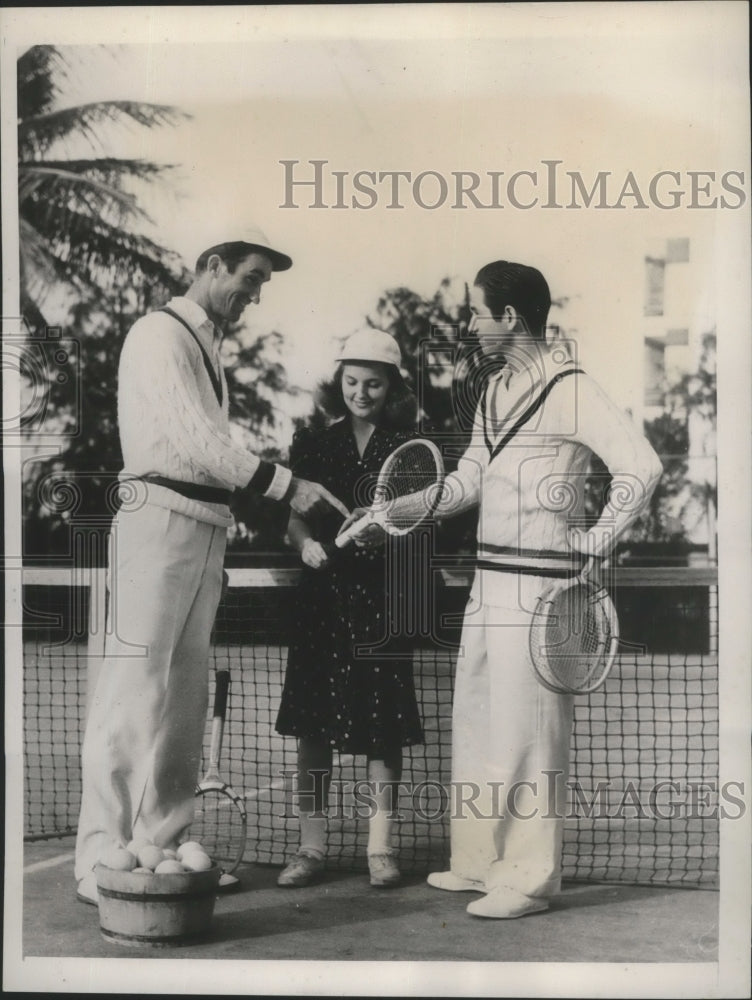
x=590, y=572
x=345, y=537
x=221, y=687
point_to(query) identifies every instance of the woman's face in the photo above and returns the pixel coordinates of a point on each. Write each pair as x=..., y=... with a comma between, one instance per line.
x=364, y=390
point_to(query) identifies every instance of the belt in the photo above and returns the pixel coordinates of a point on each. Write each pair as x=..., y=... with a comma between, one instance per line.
x=193, y=491
x=558, y=571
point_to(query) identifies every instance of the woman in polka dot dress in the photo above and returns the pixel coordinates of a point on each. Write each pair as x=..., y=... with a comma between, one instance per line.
x=336, y=696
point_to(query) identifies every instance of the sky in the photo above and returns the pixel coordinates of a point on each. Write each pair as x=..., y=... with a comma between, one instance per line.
x=485, y=88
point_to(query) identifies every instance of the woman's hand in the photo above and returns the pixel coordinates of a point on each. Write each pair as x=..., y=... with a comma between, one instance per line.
x=370, y=537
x=314, y=554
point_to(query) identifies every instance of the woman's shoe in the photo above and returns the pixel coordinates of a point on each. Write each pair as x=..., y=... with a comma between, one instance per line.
x=302, y=870
x=384, y=870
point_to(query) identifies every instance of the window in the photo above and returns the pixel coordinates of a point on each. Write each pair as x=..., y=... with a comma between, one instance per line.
x=677, y=251
x=655, y=273
x=655, y=371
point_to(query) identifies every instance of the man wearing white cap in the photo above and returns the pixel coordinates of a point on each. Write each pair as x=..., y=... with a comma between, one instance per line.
x=144, y=732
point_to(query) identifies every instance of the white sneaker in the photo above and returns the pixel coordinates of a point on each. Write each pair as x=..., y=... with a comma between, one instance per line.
x=454, y=883
x=87, y=890
x=504, y=903
x=384, y=870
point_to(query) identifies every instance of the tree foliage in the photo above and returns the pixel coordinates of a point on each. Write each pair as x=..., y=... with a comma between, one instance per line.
x=257, y=384
x=81, y=251
x=432, y=335
x=684, y=436
x=79, y=214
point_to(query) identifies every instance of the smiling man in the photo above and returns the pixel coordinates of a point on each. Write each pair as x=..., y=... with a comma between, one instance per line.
x=144, y=732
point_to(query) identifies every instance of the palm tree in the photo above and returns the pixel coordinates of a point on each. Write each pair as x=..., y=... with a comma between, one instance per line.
x=77, y=214
x=79, y=222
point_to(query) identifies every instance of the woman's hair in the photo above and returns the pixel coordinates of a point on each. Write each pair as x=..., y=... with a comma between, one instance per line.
x=400, y=409
x=517, y=285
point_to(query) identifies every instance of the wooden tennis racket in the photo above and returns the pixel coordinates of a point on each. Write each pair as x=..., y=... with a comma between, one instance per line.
x=220, y=821
x=574, y=635
x=408, y=491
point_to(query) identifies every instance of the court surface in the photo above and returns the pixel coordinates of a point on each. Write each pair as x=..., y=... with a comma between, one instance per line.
x=656, y=719
x=343, y=918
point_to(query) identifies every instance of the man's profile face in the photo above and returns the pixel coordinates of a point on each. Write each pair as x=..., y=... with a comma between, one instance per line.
x=231, y=293
x=493, y=332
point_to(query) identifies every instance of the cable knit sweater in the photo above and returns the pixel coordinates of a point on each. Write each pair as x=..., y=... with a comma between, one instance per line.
x=171, y=422
x=531, y=490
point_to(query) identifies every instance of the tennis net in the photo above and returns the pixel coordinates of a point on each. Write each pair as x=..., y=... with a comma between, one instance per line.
x=644, y=797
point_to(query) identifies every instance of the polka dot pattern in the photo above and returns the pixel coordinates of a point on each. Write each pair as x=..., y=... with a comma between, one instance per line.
x=337, y=690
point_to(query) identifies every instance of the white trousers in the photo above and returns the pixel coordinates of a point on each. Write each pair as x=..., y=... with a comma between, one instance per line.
x=510, y=746
x=142, y=747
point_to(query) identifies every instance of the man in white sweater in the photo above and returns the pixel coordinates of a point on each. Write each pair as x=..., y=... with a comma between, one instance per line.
x=142, y=747
x=539, y=421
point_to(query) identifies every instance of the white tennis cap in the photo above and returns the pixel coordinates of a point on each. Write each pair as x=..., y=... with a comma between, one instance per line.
x=372, y=345
x=253, y=236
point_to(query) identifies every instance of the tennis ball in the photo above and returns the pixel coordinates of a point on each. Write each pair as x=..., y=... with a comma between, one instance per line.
x=169, y=853
x=150, y=856
x=142, y=871
x=168, y=867
x=189, y=845
x=135, y=845
x=196, y=861
x=119, y=859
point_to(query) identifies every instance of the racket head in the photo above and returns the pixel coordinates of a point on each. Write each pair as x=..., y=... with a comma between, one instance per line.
x=574, y=637
x=409, y=486
x=220, y=824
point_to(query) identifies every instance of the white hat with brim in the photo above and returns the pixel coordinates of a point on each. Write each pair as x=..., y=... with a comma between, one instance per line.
x=372, y=345
x=254, y=238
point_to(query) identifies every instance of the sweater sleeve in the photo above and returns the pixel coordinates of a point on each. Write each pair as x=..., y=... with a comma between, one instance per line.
x=462, y=487
x=633, y=464
x=160, y=382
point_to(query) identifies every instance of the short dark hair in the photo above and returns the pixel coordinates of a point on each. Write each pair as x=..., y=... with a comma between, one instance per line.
x=520, y=286
x=400, y=410
x=231, y=255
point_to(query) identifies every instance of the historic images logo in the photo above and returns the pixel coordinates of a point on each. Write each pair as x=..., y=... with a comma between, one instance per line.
x=315, y=185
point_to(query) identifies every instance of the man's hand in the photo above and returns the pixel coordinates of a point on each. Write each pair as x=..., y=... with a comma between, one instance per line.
x=596, y=542
x=371, y=537
x=313, y=554
x=305, y=497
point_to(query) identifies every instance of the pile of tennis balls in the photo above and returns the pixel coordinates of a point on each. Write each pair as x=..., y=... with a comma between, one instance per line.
x=145, y=858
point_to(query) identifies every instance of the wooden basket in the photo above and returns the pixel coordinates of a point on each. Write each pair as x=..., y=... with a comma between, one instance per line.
x=161, y=911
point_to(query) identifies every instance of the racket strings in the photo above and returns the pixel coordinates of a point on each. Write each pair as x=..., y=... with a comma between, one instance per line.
x=219, y=825
x=571, y=639
x=409, y=484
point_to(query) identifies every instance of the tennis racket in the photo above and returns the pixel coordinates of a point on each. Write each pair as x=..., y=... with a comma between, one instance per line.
x=220, y=820
x=574, y=635
x=407, y=491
